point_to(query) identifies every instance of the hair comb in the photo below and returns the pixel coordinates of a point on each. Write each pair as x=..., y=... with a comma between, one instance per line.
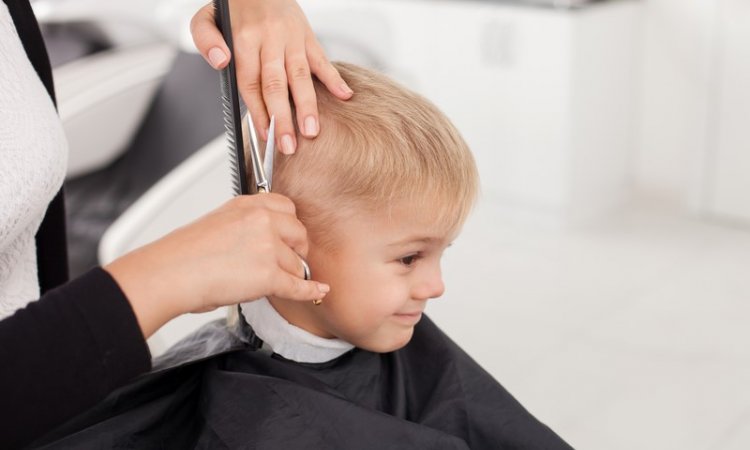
x=230, y=104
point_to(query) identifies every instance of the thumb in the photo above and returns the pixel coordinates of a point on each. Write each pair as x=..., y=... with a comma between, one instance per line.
x=208, y=39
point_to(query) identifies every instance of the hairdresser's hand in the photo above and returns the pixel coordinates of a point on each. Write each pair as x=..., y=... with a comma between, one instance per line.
x=246, y=249
x=274, y=47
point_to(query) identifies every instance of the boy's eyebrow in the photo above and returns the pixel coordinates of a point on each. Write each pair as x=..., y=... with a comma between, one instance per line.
x=411, y=239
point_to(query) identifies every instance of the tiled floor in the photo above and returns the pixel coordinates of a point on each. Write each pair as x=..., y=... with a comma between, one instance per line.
x=629, y=334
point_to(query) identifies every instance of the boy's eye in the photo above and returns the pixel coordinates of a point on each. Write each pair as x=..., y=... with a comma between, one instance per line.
x=409, y=260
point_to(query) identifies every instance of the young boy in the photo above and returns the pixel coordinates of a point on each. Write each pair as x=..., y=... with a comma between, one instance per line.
x=383, y=191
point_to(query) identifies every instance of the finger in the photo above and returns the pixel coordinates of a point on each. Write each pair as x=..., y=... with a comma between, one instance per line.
x=291, y=262
x=291, y=232
x=280, y=203
x=249, y=84
x=303, y=92
x=278, y=214
x=272, y=201
x=326, y=72
x=276, y=96
x=294, y=288
x=208, y=39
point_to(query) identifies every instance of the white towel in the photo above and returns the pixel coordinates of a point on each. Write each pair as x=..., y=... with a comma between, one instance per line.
x=287, y=340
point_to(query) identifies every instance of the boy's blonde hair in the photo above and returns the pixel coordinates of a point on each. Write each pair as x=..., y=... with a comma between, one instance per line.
x=384, y=146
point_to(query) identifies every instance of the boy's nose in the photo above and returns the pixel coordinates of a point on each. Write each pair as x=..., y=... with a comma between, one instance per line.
x=431, y=286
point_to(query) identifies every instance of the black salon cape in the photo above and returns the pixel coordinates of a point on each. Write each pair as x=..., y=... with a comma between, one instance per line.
x=428, y=395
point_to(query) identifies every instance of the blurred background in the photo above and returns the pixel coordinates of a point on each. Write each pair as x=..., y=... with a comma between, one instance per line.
x=604, y=277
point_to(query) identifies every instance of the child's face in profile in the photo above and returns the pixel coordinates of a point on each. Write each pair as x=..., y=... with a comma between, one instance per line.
x=382, y=272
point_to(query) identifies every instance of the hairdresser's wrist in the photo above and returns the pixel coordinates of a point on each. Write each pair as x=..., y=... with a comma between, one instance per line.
x=152, y=295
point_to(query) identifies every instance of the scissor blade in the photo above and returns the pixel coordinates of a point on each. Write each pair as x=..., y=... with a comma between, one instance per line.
x=270, y=152
x=261, y=182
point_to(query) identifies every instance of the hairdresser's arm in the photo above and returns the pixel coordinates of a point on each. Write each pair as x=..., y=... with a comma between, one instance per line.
x=64, y=353
x=276, y=52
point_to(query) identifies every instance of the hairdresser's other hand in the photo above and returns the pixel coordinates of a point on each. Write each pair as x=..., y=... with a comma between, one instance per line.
x=276, y=51
x=246, y=249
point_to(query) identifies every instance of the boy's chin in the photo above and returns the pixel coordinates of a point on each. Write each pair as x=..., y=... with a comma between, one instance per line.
x=388, y=343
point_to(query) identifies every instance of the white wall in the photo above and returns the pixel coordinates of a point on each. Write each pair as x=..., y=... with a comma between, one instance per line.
x=674, y=98
x=727, y=176
x=693, y=139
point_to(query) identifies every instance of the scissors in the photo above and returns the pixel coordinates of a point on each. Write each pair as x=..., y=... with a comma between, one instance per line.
x=263, y=169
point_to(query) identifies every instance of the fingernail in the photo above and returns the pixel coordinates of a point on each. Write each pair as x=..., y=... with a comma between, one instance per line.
x=311, y=126
x=346, y=89
x=217, y=57
x=287, y=145
x=324, y=288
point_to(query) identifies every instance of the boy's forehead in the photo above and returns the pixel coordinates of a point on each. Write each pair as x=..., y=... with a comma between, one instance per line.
x=403, y=224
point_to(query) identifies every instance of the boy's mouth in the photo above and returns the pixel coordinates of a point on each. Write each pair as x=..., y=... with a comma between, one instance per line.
x=409, y=317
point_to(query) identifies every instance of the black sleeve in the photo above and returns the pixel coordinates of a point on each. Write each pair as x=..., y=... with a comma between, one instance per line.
x=62, y=354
